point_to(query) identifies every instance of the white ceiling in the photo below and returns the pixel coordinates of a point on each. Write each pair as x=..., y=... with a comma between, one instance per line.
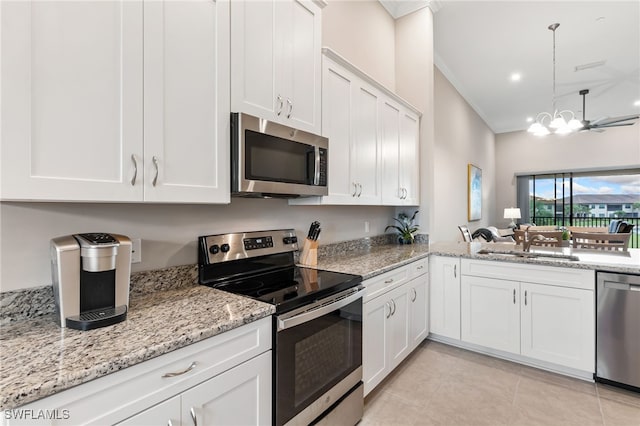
x=479, y=44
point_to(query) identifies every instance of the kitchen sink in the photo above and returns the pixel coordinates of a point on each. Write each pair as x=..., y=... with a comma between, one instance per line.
x=529, y=255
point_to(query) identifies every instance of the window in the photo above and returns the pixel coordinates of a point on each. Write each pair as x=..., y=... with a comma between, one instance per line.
x=589, y=199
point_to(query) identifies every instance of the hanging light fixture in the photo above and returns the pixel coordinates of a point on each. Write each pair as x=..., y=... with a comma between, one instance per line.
x=560, y=122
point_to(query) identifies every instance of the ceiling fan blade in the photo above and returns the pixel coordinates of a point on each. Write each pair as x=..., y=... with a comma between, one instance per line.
x=615, y=120
x=599, y=119
x=600, y=126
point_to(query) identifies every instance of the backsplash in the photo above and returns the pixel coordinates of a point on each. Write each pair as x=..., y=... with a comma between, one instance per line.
x=38, y=301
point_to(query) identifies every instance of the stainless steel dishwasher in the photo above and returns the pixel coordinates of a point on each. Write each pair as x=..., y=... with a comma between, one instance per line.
x=618, y=329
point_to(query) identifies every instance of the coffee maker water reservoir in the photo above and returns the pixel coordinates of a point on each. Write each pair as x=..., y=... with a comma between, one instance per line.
x=90, y=274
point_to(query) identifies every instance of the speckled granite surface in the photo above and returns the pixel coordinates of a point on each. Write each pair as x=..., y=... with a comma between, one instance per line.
x=37, y=358
x=373, y=260
x=622, y=262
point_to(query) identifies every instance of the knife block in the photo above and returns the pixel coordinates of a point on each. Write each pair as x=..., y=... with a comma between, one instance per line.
x=309, y=255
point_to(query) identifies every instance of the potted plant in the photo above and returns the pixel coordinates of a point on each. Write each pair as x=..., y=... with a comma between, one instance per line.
x=406, y=228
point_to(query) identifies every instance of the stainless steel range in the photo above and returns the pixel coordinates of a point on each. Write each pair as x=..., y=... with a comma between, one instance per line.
x=317, y=328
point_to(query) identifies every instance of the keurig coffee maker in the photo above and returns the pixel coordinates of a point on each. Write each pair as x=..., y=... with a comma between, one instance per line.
x=90, y=275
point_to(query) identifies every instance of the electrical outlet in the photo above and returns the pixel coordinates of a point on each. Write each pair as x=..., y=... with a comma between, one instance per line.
x=136, y=250
x=366, y=226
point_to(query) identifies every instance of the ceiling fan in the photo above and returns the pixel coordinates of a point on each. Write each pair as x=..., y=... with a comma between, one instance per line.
x=601, y=124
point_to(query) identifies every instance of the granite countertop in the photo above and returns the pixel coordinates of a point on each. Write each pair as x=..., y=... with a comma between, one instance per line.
x=372, y=261
x=621, y=262
x=38, y=358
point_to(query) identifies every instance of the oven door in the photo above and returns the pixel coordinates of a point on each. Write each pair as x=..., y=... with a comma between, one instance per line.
x=318, y=356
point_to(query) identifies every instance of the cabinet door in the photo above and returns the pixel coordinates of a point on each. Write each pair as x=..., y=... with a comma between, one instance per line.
x=253, y=59
x=366, y=145
x=299, y=67
x=389, y=146
x=444, y=295
x=240, y=396
x=398, y=343
x=167, y=412
x=71, y=100
x=375, y=362
x=418, y=310
x=337, y=120
x=558, y=325
x=490, y=312
x=186, y=94
x=409, y=158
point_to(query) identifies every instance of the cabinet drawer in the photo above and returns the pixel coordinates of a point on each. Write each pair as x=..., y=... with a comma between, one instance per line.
x=379, y=285
x=419, y=267
x=550, y=275
x=129, y=391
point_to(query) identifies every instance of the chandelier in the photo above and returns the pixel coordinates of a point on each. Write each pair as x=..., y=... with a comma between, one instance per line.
x=560, y=122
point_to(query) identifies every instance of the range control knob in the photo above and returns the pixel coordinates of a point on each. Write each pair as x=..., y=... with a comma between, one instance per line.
x=225, y=248
x=290, y=240
x=214, y=249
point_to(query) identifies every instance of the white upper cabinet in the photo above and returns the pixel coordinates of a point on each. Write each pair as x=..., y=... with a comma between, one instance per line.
x=71, y=100
x=276, y=61
x=115, y=101
x=373, y=139
x=186, y=101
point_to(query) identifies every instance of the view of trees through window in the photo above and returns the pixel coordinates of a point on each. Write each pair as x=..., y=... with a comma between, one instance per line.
x=581, y=199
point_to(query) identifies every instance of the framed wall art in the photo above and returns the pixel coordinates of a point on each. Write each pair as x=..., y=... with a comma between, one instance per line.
x=474, y=192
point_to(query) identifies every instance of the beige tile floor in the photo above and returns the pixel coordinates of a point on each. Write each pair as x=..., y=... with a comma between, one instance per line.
x=443, y=385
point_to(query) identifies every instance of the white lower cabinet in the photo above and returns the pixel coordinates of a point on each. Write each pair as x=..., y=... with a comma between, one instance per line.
x=444, y=294
x=225, y=379
x=395, y=320
x=542, y=313
x=558, y=325
x=239, y=396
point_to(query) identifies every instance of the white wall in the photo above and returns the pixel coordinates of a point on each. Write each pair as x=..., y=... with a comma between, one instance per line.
x=461, y=137
x=363, y=32
x=169, y=232
x=522, y=152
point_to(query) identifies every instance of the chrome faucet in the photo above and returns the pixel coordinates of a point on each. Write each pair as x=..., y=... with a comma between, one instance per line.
x=526, y=242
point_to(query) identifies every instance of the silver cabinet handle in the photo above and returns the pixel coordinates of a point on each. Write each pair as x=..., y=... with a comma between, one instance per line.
x=360, y=192
x=393, y=303
x=420, y=267
x=388, y=314
x=415, y=295
x=290, y=107
x=389, y=281
x=135, y=169
x=155, y=163
x=406, y=193
x=514, y=296
x=455, y=271
x=193, y=416
x=525, y=298
x=179, y=373
x=355, y=189
x=280, y=104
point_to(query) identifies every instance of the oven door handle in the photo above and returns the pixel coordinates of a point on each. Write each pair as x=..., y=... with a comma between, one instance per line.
x=323, y=308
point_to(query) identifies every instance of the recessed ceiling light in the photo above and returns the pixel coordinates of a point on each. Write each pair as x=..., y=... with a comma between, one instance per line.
x=529, y=119
x=516, y=76
x=637, y=103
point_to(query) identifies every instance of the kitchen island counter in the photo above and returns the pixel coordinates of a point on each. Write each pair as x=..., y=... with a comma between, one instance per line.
x=620, y=262
x=38, y=358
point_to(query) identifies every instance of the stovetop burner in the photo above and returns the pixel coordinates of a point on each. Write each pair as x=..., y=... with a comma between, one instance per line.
x=229, y=262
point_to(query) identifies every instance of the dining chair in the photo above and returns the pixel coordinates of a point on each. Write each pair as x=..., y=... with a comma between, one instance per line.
x=601, y=241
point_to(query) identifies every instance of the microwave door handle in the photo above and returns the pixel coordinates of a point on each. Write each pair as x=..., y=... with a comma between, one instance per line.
x=316, y=175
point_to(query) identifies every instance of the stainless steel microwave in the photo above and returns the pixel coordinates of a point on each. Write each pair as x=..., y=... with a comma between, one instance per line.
x=272, y=160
